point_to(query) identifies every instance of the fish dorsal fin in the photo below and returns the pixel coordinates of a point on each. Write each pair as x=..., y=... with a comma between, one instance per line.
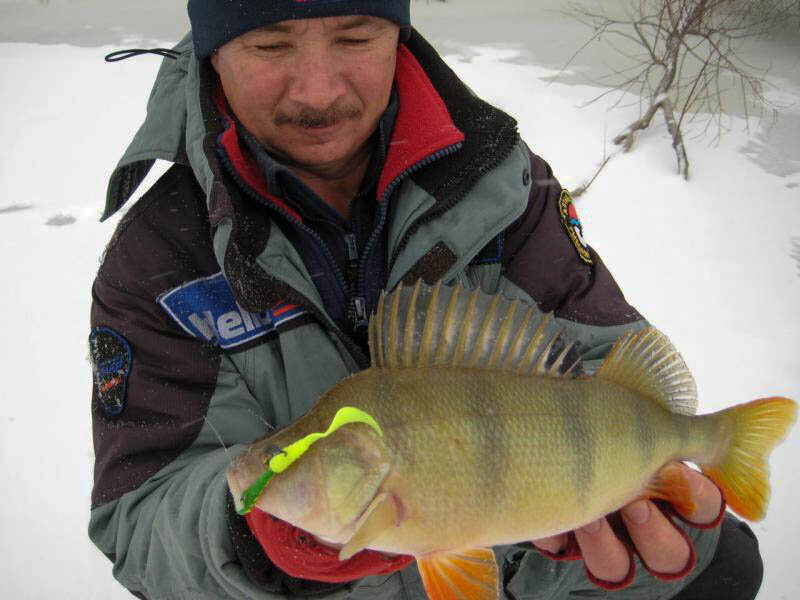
x=470, y=574
x=646, y=362
x=442, y=326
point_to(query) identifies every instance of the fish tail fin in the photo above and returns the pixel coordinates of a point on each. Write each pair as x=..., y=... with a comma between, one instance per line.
x=742, y=472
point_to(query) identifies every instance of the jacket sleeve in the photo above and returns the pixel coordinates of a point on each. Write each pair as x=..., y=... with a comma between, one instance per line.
x=170, y=412
x=159, y=499
x=550, y=263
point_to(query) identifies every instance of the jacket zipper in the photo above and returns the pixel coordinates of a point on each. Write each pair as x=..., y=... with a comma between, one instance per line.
x=356, y=310
x=295, y=297
x=359, y=305
x=359, y=302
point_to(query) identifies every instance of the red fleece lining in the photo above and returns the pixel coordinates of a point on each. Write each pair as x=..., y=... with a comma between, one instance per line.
x=245, y=167
x=298, y=554
x=423, y=124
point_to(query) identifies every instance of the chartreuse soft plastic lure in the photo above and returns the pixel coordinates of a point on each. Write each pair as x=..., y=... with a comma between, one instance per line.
x=284, y=459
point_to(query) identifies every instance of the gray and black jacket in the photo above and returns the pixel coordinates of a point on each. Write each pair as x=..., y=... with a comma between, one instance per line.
x=208, y=329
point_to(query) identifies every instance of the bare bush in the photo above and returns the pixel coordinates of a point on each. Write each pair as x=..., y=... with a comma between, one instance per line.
x=684, y=56
x=776, y=15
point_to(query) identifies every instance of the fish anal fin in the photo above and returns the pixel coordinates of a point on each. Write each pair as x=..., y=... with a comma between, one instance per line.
x=383, y=513
x=464, y=575
x=647, y=363
x=670, y=484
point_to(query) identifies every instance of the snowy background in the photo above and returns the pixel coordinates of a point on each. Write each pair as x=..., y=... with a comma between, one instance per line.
x=711, y=262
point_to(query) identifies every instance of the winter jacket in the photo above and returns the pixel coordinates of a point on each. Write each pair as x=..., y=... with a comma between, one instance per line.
x=208, y=331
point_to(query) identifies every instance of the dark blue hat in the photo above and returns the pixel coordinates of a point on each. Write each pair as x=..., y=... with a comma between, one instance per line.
x=216, y=22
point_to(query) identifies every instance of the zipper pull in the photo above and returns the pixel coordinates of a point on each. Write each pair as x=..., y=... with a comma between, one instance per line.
x=351, y=272
x=361, y=318
x=352, y=247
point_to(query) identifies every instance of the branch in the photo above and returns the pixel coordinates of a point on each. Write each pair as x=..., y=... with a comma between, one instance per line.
x=581, y=189
x=796, y=252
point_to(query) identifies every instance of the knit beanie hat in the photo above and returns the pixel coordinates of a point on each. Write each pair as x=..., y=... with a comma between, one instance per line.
x=216, y=22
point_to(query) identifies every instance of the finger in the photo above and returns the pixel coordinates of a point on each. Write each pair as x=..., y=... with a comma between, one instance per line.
x=605, y=556
x=706, y=496
x=658, y=542
x=553, y=544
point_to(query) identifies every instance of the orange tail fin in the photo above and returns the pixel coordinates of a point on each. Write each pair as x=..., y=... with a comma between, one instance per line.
x=743, y=473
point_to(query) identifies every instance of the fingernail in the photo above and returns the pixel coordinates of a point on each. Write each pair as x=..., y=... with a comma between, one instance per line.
x=592, y=527
x=638, y=512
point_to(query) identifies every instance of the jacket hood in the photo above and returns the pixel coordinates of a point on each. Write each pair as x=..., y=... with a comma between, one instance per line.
x=173, y=129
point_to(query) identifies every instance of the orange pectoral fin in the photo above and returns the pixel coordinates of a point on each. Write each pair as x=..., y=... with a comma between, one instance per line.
x=671, y=484
x=381, y=514
x=469, y=574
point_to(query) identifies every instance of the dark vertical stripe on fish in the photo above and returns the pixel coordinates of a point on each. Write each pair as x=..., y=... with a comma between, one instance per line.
x=491, y=436
x=644, y=431
x=576, y=424
x=681, y=429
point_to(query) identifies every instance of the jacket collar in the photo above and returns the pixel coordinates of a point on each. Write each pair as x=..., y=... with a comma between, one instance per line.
x=413, y=139
x=282, y=182
x=181, y=126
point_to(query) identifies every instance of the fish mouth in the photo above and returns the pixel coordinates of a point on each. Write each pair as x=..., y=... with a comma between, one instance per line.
x=235, y=487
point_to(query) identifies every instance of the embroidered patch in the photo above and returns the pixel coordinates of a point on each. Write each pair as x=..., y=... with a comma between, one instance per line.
x=569, y=217
x=206, y=309
x=111, y=362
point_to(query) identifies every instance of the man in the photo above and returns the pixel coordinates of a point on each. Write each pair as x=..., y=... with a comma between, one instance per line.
x=324, y=152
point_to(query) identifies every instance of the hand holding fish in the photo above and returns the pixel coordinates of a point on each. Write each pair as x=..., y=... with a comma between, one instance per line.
x=659, y=544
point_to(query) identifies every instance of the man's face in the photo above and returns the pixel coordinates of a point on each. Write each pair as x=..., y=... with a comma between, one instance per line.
x=313, y=90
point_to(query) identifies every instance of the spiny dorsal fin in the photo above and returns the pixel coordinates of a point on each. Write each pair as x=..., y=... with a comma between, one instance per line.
x=646, y=362
x=445, y=326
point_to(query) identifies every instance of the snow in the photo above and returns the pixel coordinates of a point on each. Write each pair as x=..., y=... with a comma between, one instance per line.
x=714, y=262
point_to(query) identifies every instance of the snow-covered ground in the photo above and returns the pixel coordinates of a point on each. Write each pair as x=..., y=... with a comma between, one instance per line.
x=709, y=261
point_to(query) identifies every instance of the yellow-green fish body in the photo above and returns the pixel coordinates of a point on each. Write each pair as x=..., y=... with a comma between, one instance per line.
x=487, y=436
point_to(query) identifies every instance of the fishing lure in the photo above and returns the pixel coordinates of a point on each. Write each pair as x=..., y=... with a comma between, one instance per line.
x=282, y=460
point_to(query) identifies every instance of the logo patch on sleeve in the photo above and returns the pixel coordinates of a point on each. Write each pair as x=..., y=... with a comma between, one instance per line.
x=111, y=362
x=206, y=309
x=569, y=217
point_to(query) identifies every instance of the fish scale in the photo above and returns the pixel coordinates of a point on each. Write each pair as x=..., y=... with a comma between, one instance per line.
x=475, y=427
x=516, y=448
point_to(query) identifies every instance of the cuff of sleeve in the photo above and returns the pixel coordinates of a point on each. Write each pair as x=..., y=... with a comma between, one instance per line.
x=571, y=552
x=299, y=554
x=670, y=511
x=613, y=586
x=690, y=564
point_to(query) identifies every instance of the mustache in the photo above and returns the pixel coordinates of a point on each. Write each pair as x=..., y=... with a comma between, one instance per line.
x=311, y=118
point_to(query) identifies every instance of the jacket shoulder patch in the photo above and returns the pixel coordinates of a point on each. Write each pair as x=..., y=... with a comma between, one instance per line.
x=572, y=223
x=111, y=364
x=206, y=309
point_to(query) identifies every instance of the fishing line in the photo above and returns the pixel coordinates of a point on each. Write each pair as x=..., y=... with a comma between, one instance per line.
x=219, y=437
